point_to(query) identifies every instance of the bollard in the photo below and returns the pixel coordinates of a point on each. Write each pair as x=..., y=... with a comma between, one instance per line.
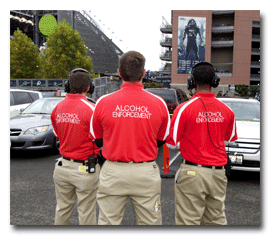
x=166, y=159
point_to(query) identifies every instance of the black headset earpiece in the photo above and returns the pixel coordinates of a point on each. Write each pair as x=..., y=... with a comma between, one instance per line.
x=67, y=85
x=215, y=81
x=191, y=81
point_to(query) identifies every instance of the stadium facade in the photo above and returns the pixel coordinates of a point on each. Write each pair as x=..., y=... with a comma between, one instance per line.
x=100, y=48
x=229, y=39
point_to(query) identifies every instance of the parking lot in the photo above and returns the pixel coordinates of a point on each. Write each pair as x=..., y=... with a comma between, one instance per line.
x=32, y=197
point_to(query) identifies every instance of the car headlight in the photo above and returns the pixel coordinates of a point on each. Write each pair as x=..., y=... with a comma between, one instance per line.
x=36, y=130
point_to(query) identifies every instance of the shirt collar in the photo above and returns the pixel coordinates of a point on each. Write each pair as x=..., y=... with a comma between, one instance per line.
x=75, y=96
x=132, y=85
x=204, y=95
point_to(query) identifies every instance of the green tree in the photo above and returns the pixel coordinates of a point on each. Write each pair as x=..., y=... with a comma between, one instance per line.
x=152, y=84
x=65, y=50
x=241, y=90
x=25, y=59
x=253, y=90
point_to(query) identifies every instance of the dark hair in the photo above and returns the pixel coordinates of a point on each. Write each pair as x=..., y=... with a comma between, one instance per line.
x=203, y=74
x=79, y=82
x=131, y=66
x=191, y=21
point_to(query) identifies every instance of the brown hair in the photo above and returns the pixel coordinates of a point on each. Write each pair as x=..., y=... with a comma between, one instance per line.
x=79, y=82
x=131, y=66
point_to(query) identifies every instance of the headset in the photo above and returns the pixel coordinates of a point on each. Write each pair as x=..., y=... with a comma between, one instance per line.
x=67, y=85
x=191, y=81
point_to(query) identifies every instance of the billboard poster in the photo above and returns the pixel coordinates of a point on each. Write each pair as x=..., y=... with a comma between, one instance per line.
x=191, y=42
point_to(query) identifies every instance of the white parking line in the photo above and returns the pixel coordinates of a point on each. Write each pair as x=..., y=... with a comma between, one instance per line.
x=173, y=159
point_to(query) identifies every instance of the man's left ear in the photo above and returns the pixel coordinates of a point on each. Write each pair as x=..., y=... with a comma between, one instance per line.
x=143, y=73
x=119, y=73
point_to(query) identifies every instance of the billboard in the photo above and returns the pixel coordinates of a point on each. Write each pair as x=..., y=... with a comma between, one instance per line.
x=191, y=42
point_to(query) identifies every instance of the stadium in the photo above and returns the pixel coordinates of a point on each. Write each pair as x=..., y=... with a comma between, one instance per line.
x=101, y=49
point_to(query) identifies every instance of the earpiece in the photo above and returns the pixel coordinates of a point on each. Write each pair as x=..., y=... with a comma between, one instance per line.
x=191, y=81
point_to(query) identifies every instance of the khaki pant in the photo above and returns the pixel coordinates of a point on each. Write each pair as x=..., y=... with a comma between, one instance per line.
x=71, y=184
x=199, y=196
x=139, y=181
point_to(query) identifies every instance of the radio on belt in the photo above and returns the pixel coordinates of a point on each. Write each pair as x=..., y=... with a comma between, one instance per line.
x=92, y=161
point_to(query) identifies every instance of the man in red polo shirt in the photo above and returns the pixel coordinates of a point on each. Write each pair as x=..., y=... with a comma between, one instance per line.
x=71, y=121
x=199, y=127
x=130, y=124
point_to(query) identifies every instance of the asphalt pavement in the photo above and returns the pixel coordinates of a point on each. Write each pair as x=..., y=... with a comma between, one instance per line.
x=32, y=195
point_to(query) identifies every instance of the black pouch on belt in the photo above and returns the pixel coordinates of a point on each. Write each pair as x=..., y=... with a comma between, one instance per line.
x=101, y=159
x=92, y=161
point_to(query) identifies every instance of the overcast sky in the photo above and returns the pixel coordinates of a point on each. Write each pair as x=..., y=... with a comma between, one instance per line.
x=136, y=28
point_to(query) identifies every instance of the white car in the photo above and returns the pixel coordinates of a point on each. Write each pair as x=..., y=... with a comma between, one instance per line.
x=20, y=99
x=247, y=115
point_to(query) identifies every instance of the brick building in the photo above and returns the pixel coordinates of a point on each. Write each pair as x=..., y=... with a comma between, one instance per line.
x=229, y=39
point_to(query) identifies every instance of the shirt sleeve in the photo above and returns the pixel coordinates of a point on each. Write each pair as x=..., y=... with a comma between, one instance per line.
x=96, y=129
x=165, y=126
x=53, y=122
x=176, y=129
x=231, y=134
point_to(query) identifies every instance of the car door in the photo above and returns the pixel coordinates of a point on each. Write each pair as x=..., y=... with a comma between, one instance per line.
x=19, y=100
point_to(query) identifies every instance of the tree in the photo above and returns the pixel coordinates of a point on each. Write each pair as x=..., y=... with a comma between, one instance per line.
x=25, y=59
x=246, y=91
x=253, y=90
x=65, y=50
x=241, y=90
x=152, y=84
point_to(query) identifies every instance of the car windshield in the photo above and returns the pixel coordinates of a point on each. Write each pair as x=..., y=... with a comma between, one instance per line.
x=168, y=95
x=42, y=106
x=245, y=111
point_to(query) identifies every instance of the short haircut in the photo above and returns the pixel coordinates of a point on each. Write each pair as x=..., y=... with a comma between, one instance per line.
x=131, y=66
x=79, y=82
x=203, y=74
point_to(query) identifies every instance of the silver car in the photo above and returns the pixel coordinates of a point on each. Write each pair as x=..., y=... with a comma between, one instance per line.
x=20, y=99
x=247, y=147
x=32, y=128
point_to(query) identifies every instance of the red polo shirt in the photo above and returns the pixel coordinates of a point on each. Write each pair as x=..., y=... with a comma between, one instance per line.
x=71, y=121
x=189, y=129
x=130, y=121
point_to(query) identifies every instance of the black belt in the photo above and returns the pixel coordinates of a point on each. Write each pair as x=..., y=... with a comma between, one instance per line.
x=195, y=164
x=136, y=162
x=79, y=161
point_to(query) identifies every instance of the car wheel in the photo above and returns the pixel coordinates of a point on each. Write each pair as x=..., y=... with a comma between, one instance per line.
x=56, y=144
